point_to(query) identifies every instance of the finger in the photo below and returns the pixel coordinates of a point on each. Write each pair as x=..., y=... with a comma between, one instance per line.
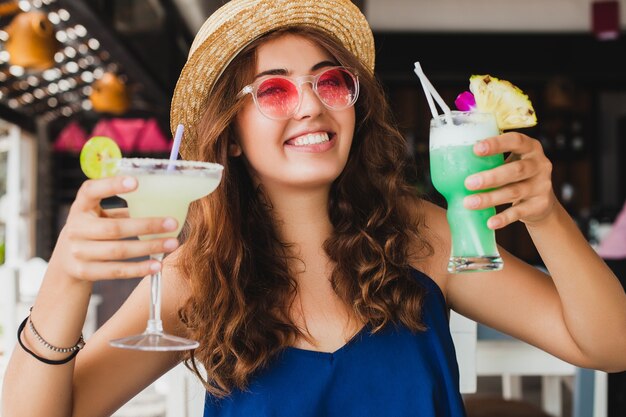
x=515, y=213
x=92, y=192
x=512, y=193
x=514, y=142
x=113, y=229
x=97, y=271
x=119, y=250
x=116, y=213
x=504, y=174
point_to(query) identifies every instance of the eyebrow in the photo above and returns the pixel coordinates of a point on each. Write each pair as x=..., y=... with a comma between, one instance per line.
x=282, y=71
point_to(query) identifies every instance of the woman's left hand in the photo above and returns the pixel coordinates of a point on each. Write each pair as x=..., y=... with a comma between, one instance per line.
x=524, y=181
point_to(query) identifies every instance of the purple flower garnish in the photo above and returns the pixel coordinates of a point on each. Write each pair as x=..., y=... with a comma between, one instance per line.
x=465, y=101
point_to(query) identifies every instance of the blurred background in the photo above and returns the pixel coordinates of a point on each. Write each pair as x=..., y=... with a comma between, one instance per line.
x=71, y=69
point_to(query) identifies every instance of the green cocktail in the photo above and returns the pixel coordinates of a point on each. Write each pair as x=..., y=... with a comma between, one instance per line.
x=452, y=160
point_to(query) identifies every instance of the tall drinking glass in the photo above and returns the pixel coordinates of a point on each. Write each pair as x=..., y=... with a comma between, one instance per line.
x=452, y=159
x=165, y=189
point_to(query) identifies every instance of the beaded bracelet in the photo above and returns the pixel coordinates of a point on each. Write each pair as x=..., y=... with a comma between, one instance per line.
x=39, y=358
x=78, y=346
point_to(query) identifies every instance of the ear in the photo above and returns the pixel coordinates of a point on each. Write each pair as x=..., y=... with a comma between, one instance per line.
x=234, y=149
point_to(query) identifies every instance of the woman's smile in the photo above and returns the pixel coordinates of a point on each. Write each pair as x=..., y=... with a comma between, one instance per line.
x=312, y=142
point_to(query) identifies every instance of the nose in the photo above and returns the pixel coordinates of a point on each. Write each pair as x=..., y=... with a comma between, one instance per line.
x=310, y=104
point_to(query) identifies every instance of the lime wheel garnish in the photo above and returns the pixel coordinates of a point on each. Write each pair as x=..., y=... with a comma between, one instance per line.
x=99, y=157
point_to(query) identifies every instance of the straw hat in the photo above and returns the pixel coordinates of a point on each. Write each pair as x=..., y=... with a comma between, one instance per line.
x=238, y=23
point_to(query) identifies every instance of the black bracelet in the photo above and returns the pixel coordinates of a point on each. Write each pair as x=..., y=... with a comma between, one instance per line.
x=34, y=355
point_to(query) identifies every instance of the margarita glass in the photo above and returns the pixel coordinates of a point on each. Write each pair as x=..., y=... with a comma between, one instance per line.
x=165, y=189
x=452, y=160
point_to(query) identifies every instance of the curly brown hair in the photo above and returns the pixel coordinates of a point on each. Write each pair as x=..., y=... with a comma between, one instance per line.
x=238, y=267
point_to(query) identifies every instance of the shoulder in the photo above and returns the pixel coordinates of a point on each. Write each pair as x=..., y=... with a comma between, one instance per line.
x=436, y=232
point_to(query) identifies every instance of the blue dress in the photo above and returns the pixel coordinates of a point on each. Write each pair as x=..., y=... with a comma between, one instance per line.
x=391, y=373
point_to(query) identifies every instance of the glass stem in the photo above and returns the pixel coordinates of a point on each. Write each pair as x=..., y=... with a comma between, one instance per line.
x=155, y=325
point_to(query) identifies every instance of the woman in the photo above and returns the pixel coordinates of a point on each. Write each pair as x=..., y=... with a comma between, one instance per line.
x=314, y=279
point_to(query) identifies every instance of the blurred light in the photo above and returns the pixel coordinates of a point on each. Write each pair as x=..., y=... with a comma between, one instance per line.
x=53, y=88
x=1, y=94
x=13, y=103
x=86, y=105
x=22, y=85
x=32, y=81
x=59, y=57
x=39, y=93
x=87, y=90
x=70, y=52
x=4, y=57
x=86, y=76
x=16, y=71
x=3, y=76
x=66, y=111
x=64, y=85
x=54, y=18
x=93, y=44
x=83, y=49
x=70, y=33
x=37, y=4
x=83, y=63
x=51, y=74
x=27, y=98
x=61, y=36
x=64, y=15
x=112, y=67
x=98, y=73
x=72, y=67
x=4, y=36
x=24, y=5
x=72, y=82
x=80, y=30
x=53, y=102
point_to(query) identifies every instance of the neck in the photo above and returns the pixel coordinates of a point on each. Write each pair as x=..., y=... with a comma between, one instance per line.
x=302, y=216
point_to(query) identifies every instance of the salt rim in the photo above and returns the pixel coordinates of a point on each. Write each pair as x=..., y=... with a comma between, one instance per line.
x=154, y=166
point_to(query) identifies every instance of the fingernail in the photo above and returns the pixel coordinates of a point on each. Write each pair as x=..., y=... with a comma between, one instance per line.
x=481, y=147
x=473, y=181
x=155, y=266
x=129, y=183
x=170, y=224
x=471, y=201
x=170, y=244
x=494, y=223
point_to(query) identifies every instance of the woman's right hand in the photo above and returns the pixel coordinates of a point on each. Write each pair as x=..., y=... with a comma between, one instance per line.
x=90, y=245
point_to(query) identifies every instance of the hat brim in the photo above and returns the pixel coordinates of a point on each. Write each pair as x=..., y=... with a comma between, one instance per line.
x=237, y=24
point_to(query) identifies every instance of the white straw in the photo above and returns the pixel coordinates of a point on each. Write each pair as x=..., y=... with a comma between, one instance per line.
x=429, y=97
x=430, y=92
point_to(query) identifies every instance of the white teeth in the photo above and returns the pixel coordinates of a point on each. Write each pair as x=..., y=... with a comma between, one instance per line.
x=311, y=139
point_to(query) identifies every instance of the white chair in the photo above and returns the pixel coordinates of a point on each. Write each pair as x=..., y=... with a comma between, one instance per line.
x=511, y=359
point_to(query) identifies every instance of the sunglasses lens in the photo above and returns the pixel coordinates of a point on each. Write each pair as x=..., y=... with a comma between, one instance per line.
x=337, y=88
x=277, y=97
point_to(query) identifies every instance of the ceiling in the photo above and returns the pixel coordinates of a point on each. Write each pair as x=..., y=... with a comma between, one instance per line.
x=146, y=43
